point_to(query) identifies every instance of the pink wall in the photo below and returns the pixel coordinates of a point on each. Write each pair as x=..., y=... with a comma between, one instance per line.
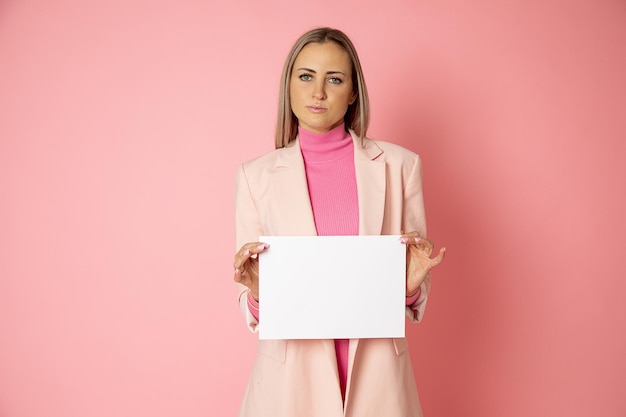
x=121, y=124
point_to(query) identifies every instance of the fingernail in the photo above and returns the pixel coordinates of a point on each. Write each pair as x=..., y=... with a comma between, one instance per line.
x=404, y=239
x=236, y=270
x=417, y=239
x=247, y=252
x=261, y=247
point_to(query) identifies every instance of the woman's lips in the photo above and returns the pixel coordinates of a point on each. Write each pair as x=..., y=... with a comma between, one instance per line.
x=316, y=109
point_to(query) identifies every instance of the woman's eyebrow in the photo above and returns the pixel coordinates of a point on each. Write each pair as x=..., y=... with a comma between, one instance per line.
x=315, y=72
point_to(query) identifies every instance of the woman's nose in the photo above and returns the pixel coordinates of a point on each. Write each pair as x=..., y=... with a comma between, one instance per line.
x=318, y=92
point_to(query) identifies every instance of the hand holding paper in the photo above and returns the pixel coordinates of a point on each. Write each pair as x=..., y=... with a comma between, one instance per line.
x=246, y=266
x=418, y=260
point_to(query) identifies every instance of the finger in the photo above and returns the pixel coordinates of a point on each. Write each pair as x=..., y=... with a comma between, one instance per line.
x=247, y=251
x=259, y=248
x=253, y=253
x=407, y=237
x=409, y=240
x=240, y=257
x=247, y=247
x=238, y=275
x=419, y=251
x=420, y=244
x=415, y=239
x=437, y=260
x=253, y=248
x=239, y=265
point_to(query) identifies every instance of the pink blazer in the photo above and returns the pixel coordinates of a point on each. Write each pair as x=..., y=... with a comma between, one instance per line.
x=299, y=378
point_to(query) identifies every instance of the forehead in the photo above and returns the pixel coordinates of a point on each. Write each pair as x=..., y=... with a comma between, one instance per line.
x=323, y=56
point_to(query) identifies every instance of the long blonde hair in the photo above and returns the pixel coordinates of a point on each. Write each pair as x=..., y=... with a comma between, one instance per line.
x=358, y=114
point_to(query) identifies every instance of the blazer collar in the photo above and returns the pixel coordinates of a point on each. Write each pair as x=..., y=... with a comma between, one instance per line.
x=292, y=190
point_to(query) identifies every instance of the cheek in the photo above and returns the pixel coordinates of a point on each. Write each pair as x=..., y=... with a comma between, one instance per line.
x=349, y=99
x=295, y=104
x=294, y=94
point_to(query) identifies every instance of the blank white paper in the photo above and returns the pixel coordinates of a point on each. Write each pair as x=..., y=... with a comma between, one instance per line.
x=332, y=287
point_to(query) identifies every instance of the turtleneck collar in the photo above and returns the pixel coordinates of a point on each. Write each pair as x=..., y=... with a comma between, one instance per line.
x=325, y=147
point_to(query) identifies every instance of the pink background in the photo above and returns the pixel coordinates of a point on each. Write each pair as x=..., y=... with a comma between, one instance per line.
x=121, y=125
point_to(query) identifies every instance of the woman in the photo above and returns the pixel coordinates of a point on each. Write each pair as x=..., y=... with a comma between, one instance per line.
x=326, y=178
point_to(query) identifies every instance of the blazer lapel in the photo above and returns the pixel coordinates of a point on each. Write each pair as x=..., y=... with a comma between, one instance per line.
x=292, y=192
x=371, y=183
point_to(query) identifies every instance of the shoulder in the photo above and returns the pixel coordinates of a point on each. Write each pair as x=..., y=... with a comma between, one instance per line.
x=270, y=159
x=260, y=162
x=391, y=152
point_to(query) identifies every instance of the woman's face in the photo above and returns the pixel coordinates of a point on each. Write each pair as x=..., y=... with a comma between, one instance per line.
x=321, y=86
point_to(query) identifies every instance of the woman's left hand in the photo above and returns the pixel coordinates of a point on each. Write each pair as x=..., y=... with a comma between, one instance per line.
x=418, y=260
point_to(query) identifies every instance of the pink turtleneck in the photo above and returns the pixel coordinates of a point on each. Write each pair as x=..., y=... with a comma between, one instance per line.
x=331, y=178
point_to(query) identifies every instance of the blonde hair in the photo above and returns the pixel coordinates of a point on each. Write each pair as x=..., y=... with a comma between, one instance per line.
x=358, y=113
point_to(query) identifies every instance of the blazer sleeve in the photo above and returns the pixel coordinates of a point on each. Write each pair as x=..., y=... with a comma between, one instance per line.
x=247, y=229
x=414, y=219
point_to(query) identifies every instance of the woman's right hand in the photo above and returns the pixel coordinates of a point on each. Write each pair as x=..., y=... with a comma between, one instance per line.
x=246, y=266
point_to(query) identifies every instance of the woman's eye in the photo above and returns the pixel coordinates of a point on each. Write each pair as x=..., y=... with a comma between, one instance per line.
x=305, y=77
x=335, y=80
